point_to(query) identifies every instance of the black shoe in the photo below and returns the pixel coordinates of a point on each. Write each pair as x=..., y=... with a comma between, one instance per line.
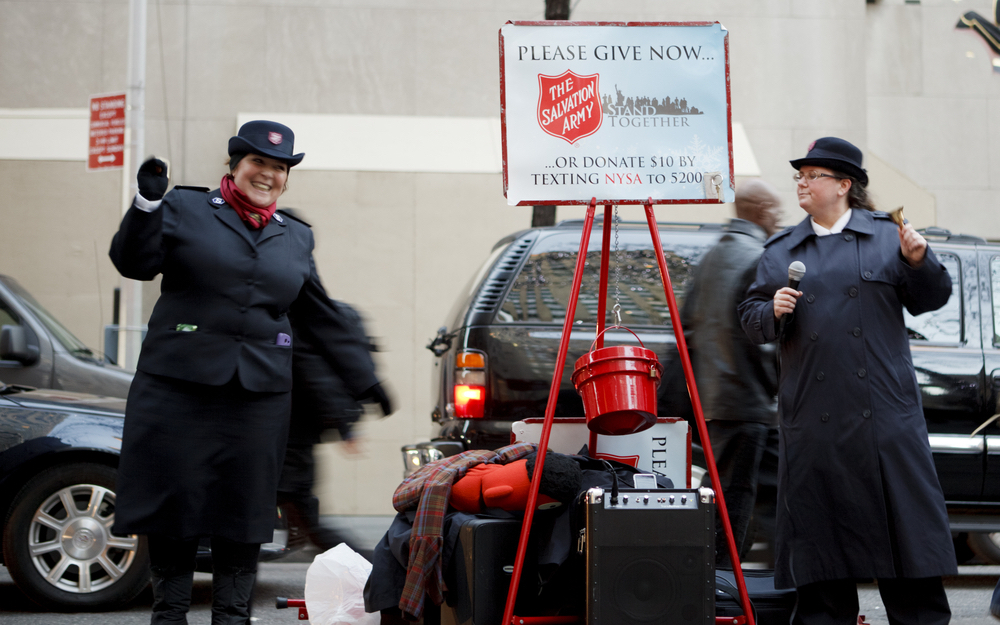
x=232, y=592
x=171, y=596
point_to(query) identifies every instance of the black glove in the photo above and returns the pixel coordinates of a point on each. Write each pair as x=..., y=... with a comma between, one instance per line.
x=152, y=179
x=377, y=395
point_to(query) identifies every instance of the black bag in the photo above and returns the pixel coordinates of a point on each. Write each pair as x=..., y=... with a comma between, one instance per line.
x=770, y=606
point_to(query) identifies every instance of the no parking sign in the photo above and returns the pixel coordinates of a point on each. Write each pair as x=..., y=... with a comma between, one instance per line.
x=617, y=111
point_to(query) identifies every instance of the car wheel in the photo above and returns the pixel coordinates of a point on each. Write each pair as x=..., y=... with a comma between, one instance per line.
x=986, y=546
x=58, y=545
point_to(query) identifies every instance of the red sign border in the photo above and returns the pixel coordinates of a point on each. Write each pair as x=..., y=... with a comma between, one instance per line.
x=90, y=99
x=565, y=23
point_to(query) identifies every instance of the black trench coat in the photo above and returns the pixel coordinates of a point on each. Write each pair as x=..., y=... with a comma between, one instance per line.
x=858, y=495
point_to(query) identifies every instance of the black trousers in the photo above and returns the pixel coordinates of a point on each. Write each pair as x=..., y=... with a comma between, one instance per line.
x=746, y=457
x=908, y=601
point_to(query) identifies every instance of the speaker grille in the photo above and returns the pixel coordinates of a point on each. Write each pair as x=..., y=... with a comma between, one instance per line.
x=662, y=586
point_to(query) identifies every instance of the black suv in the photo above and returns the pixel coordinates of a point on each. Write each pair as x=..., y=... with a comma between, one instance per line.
x=495, y=357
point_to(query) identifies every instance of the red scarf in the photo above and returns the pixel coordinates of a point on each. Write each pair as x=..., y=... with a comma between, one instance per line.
x=254, y=217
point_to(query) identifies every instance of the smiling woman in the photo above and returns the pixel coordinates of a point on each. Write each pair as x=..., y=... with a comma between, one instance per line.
x=208, y=412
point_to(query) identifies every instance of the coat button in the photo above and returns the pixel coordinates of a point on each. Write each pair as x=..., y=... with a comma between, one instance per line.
x=848, y=237
x=756, y=325
x=862, y=373
x=853, y=292
x=250, y=281
x=253, y=254
x=820, y=376
x=243, y=309
x=867, y=414
x=810, y=298
x=856, y=332
x=868, y=275
x=825, y=417
x=814, y=336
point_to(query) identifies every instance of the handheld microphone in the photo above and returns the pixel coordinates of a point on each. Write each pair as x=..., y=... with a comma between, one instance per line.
x=795, y=273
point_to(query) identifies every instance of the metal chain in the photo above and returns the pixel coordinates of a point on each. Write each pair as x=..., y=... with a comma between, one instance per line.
x=617, y=310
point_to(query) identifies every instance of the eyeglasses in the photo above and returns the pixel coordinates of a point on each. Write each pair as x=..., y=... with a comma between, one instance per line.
x=812, y=176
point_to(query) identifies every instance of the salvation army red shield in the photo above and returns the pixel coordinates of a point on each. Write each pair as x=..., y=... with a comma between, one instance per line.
x=569, y=105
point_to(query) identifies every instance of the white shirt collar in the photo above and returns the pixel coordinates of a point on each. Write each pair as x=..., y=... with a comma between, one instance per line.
x=837, y=227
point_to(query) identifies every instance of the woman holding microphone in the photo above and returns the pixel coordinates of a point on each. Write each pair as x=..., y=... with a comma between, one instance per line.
x=858, y=495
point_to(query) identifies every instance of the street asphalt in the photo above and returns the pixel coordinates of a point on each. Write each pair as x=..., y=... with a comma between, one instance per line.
x=969, y=592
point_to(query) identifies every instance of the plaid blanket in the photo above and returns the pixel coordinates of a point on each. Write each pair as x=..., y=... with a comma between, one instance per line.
x=429, y=490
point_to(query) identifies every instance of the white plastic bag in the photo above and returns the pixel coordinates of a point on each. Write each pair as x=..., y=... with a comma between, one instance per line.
x=335, y=584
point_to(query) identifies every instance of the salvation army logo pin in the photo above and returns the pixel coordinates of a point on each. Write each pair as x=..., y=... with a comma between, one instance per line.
x=569, y=105
x=218, y=200
x=274, y=137
x=278, y=218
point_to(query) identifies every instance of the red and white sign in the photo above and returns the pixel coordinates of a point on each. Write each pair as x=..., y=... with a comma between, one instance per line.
x=626, y=113
x=107, y=132
x=569, y=105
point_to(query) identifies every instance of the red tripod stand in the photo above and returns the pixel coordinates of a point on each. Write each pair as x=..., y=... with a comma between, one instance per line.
x=508, y=617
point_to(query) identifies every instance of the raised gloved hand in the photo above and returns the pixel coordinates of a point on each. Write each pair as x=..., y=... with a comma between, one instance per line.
x=153, y=179
x=377, y=395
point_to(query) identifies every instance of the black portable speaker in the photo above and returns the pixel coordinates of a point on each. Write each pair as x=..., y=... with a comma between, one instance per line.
x=483, y=566
x=651, y=557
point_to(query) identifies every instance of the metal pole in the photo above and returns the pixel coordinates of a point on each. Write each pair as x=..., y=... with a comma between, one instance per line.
x=550, y=412
x=130, y=327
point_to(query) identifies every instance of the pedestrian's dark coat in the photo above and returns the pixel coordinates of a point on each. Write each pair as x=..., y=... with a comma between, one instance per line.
x=736, y=379
x=858, y=493
x=207, y=416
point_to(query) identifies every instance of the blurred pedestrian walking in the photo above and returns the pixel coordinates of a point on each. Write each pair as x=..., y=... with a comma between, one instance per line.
x=320, y=403
x=737, y=380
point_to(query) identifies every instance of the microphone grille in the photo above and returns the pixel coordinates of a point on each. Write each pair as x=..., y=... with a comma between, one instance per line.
x=796, y=270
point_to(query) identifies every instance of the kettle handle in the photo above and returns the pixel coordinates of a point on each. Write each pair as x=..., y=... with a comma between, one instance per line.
x=613, y=327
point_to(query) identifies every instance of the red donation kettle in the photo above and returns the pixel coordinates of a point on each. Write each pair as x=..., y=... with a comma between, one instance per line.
x=618, y=387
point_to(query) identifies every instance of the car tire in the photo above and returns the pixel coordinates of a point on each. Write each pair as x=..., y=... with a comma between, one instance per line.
x=58, y=545
x=986, y=545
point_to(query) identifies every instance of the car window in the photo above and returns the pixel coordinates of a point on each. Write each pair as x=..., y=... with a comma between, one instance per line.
x=541, y=291
x=943, y=325
x=7, y=316
x=71, y=343
x=995, y=280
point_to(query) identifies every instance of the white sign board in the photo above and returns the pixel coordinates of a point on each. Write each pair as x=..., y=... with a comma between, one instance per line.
x=664, y=449
x=621, y=112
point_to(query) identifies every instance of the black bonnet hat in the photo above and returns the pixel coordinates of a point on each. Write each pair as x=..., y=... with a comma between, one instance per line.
x=267, y=139
x=835, y=154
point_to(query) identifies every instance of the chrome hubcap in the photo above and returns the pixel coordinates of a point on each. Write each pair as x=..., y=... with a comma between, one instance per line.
x=71, y=544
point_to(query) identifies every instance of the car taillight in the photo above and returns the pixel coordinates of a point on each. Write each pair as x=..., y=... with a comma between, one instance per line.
x=469, y=401
x=470, y=385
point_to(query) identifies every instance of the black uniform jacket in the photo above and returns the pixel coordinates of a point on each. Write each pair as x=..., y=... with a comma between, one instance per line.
x=226, y=295
x=859, y=497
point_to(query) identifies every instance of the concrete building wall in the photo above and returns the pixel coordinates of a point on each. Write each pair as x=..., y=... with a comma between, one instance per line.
x=894, y=77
